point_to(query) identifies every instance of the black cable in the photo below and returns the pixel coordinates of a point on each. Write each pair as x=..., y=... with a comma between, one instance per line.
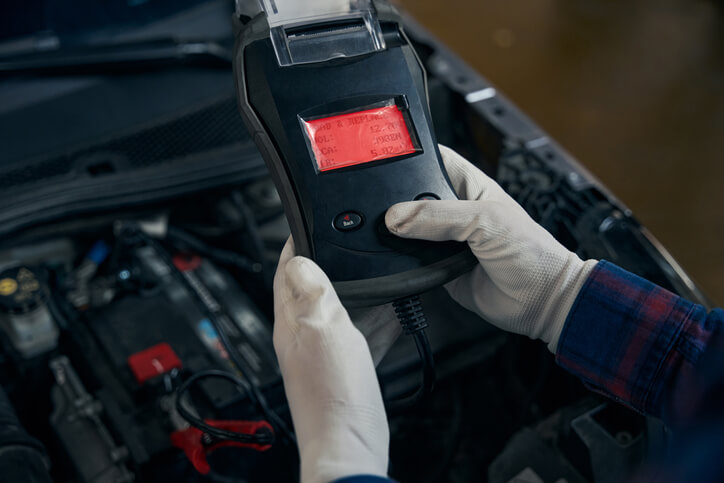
x=225, y=257
x=262, y=437
x=428, y=364
x=412, y=318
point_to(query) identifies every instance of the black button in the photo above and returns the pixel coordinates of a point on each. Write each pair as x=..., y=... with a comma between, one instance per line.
x=427, y=197
x=348, y=221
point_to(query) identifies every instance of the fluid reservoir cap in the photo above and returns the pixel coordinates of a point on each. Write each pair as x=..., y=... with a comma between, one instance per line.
x=20, y=290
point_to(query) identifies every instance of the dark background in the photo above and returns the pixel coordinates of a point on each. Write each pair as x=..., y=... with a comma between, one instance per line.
x=634, y=89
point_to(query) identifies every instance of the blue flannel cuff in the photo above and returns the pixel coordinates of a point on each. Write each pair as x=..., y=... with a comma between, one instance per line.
x=619, y=334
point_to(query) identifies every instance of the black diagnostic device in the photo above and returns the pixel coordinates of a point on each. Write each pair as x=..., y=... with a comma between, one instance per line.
x=336, y=100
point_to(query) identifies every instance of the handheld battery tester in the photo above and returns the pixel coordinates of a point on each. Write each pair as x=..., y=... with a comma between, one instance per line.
x=336, y=99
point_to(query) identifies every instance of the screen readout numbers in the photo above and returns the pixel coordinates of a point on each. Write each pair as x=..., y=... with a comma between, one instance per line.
x=359, y=137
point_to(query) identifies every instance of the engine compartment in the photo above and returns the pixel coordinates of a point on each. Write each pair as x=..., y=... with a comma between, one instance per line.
x=118, y=321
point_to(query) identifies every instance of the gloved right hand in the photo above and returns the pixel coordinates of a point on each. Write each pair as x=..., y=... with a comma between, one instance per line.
x=526, y=282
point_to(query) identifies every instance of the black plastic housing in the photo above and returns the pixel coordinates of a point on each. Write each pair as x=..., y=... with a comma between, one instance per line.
x=367, y=265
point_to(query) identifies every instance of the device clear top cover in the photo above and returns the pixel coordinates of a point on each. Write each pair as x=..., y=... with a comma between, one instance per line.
x=308, y=31
x=286, y=12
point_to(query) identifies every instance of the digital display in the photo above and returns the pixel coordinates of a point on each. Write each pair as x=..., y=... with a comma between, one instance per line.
x=359, y=137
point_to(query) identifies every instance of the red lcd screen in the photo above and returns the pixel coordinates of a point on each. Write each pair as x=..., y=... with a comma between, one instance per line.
x=359, y=137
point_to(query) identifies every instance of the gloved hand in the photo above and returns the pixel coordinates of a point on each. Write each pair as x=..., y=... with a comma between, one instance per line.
x=329, y=377
x=379, y=325
x=526, y=281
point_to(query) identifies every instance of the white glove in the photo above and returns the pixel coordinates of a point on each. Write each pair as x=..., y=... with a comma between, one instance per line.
x=526, y=281
x=380, y=326
x=329, y=377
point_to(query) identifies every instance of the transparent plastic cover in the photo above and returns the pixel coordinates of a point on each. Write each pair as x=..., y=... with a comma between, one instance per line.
x=288, y=12
x=310, y=31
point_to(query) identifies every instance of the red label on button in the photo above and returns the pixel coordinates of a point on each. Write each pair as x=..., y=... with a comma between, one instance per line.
x=347, y=221
x=359, y=137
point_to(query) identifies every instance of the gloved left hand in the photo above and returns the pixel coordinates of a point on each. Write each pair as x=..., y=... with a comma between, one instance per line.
x=329, y=377
x=380, y=326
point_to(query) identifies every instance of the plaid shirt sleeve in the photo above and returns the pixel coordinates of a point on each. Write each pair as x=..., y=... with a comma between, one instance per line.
x=641, y=345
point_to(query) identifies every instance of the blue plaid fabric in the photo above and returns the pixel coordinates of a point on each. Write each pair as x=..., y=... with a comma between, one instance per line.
x=662, y=355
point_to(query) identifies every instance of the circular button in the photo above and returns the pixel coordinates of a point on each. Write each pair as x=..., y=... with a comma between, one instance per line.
x=348, y=221
x=427, y=197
